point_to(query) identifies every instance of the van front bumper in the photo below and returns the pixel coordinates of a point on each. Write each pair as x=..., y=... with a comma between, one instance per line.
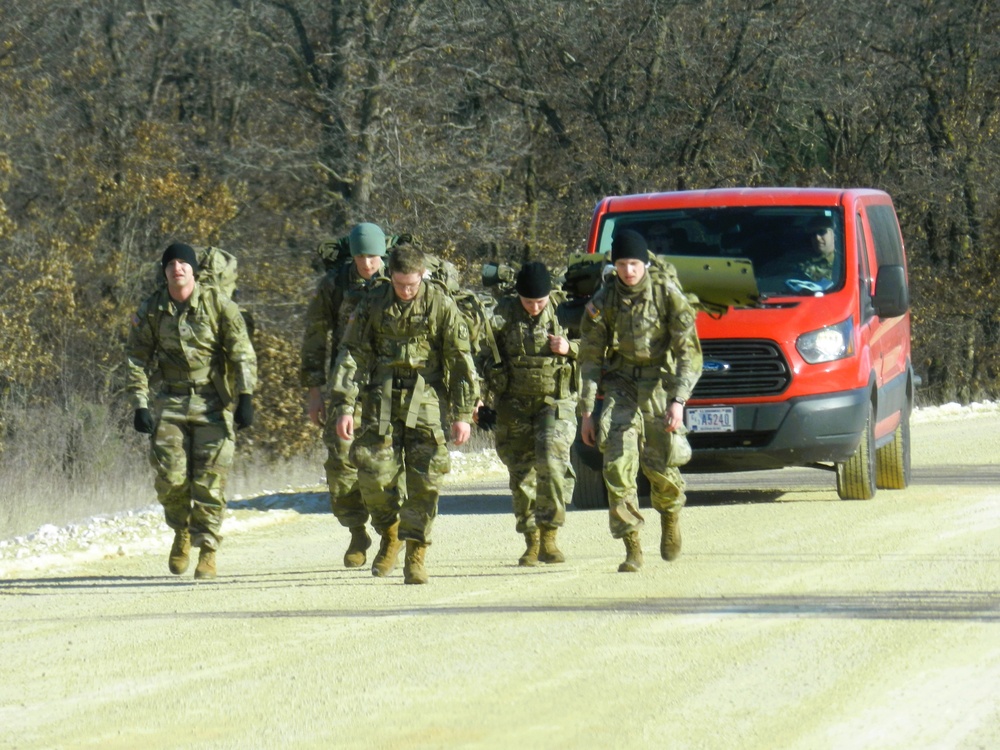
x=797, y=432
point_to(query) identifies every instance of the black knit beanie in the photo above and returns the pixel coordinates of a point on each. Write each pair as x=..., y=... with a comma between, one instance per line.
x=629, y=244
x=180, y=251
x=533, y=281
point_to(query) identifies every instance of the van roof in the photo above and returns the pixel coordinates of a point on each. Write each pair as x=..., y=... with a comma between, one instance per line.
x=724, y=197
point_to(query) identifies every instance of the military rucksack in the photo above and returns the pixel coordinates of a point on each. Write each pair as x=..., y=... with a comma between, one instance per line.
x=475, y=308
x=217, y=268
x=584, y=275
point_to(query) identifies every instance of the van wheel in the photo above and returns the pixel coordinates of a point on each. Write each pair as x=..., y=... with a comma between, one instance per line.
x=856, y=475
x=589, y=491
x=892, y=461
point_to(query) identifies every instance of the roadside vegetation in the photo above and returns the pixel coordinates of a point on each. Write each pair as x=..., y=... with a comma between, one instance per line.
x=489, y=128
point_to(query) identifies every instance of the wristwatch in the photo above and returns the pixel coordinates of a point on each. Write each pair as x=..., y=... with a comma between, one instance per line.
x=678, y=400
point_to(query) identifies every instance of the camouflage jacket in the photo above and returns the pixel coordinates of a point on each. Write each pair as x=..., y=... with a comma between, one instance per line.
x=390, y=339
x=528, y=366
x=197, y=343
x=808, y=266
x=646, y=332
x=339, y=292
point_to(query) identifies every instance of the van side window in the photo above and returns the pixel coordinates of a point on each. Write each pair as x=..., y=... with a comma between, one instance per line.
x=864, y=271
x=885, y=233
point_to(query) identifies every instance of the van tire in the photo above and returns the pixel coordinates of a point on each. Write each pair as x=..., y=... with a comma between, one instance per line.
x=892, y=460
x=589, y=492
x=856, y=475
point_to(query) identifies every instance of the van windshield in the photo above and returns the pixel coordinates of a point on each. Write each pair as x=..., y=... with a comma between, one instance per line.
x=794, y=250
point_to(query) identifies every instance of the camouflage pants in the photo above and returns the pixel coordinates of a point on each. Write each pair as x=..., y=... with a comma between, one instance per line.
x=342, y=477
x=415, y=455
x=533, y=439
x=192, y=451
x=632, y=436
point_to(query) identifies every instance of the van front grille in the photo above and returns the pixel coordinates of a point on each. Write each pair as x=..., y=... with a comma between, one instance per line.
x=741, y=368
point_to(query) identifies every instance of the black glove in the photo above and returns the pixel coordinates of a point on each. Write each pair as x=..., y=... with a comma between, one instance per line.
x=486, y=418
x=243, y=415
x=143, y=421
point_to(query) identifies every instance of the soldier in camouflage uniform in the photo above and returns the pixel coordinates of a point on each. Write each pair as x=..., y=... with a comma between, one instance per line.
x=534, y=387
x=192, y=333
x=339, y=293
x=816, y=266
x=823, y=238
x=406, y=354
x=639, y=330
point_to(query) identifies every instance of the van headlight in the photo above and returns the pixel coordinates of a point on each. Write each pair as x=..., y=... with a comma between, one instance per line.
x=827, y=344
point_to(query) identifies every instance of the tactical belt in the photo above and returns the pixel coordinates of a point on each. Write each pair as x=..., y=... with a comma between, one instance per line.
x=647, y=372
x=187, y=388
x=179, y=377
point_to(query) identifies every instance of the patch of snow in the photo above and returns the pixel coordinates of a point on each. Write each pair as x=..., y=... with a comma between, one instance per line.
x=953, y=410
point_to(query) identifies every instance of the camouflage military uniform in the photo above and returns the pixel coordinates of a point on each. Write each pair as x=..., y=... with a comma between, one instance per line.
x=402, y=359
x=194, y=440
x=646, y=339
x=339, y=293
x=818, y=269
x=535, y=393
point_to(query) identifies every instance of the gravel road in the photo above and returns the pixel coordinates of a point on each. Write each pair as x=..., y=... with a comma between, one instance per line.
x=792, y=620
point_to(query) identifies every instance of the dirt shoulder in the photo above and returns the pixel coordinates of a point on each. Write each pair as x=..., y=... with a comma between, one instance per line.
x=792, y=620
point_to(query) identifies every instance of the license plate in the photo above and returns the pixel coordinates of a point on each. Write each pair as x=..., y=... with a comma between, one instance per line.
x=714, y=419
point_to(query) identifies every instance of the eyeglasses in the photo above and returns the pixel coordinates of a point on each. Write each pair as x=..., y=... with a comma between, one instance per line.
x=405, y=287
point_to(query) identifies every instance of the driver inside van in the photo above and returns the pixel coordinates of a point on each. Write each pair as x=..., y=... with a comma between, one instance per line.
x=824, y=244
x=814, y=271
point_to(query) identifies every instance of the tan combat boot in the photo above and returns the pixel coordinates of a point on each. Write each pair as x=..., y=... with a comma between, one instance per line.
x=550, y=552
x=360, y=542
x=413, y=564
x=633, y=553
x=530, y=557
x=180, y=552
x=388, y=552
x=670, y=541
x=206, y=564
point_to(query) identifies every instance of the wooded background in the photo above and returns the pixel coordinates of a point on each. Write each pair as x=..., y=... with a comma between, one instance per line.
x=490, y=128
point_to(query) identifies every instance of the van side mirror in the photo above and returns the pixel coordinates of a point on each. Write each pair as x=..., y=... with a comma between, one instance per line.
x=892, y=295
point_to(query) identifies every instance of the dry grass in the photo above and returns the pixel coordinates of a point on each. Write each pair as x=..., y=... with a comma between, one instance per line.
x=61, y=466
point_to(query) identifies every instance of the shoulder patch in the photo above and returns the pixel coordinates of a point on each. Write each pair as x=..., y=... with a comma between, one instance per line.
x=135, y=320
x=592, y=311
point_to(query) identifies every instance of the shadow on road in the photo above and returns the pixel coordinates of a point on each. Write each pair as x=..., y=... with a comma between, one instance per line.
x=969, y=606
x=302, y=502
x=743, y=488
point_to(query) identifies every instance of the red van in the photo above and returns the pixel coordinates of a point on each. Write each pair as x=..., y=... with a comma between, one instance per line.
x=805, y=329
